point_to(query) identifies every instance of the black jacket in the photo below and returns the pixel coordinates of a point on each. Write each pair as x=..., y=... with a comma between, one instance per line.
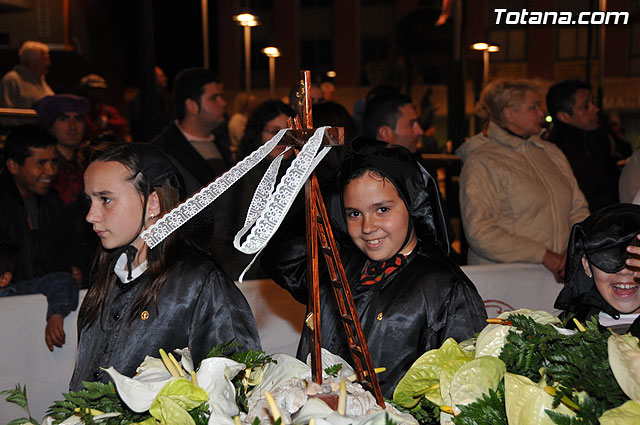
x=413, y=310
x=173, y=142
x=593, y=166
x=198, y=306
x=25, y=252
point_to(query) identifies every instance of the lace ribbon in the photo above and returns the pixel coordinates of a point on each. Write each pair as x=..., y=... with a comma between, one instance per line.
x=172, y=221
x=268, y=207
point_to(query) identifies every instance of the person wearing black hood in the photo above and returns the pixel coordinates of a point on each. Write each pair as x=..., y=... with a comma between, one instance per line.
x=170, y=297
x=599, y=280
x=409, y=294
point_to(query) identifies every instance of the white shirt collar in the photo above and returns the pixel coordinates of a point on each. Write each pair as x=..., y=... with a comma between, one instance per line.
x=625, y=319
x=120, y=269
x=192, y=138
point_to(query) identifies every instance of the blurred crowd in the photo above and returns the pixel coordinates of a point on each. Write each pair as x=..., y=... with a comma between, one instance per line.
x=521, y=189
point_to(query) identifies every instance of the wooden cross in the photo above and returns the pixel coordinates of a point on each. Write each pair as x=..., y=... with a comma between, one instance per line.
x=319, y=230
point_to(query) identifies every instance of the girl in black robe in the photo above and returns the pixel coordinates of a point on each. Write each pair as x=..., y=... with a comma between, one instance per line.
x=409, y=294
x=599, y=271
x=172, y=296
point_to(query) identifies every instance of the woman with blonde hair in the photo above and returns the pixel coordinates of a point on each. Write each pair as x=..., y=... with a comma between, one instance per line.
x=518, y=195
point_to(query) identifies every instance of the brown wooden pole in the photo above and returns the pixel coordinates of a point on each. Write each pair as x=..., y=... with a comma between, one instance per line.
x=307, y=119
x=313, y=279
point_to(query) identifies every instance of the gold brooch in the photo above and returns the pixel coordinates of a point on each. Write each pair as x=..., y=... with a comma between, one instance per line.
x=379, y=318
x=144, y=315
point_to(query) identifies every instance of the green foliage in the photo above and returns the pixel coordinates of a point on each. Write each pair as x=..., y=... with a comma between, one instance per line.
x=19, y=421
x=426, y=412
x=333, y=370
x=588, y=412
x=488, y=410
x=200, y=414
x=252, y=358
x=98, y=396
x=224, y=350
x=241, y=395
x=18, y=396
x=388, y=420
x=574, y=364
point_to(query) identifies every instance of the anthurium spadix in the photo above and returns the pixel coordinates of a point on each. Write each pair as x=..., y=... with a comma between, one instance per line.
x=152, y=375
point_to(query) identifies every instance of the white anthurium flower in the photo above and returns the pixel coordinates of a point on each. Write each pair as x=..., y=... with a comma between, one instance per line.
x=186, y=361
x=214, y=376
x=151, y=369
x=281, y=370
x=322, y=414
x=139, y=392
x=218, y=417
x=382, y=417
x=329, y=359
x=313, y=408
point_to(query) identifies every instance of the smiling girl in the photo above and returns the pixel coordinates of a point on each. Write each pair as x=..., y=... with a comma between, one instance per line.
x=409, y=294
x=600, y=269
x=141, y=300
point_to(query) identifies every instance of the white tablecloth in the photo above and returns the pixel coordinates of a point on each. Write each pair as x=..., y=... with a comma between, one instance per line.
x=24, y=358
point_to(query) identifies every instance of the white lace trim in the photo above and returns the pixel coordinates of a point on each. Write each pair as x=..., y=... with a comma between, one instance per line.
x=268, y=208
x=171, y=221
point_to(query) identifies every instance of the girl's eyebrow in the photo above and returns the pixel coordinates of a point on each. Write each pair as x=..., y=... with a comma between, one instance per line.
x=373, y=206
x=382, y=203
x=102, y=193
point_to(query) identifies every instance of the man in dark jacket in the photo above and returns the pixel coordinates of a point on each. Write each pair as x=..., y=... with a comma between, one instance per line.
x=575, y=131
x=27, y=210
x=193, y=139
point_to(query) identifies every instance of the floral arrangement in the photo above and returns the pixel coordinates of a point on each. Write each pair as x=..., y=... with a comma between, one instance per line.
x=526, y=369
x=247, y=387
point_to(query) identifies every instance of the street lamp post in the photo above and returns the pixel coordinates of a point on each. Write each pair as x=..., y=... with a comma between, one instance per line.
x=272, y=53
x=486, y=49
x=247, y=20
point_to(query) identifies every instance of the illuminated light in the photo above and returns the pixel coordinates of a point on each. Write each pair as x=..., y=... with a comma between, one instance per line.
x=272, y=52
x=480, y=46
x=548, y=118
x=331, y=74
x=493, y=48
x=246, y=19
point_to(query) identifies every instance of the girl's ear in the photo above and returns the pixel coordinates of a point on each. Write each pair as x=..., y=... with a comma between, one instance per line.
x=586, y=266
x=153, y=205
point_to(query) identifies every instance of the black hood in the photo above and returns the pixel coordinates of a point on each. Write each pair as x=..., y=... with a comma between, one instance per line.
x=414, y=184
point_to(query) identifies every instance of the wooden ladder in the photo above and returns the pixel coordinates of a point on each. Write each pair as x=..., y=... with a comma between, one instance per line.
x=318, y=224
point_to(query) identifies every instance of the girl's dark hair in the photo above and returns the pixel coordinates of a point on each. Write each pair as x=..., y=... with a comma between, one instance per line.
x=265, y=112
x=159, y=259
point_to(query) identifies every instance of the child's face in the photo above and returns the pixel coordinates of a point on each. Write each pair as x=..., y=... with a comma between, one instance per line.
x=116, y=205
x=620, y=290
x=377, y=219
